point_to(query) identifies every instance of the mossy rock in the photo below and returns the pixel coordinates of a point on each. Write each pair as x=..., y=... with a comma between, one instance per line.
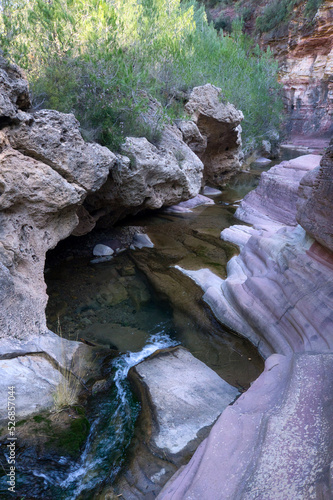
x=72, y=439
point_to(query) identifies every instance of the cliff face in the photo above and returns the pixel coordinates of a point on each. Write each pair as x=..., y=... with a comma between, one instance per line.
x=302, y=42
x=305, y=53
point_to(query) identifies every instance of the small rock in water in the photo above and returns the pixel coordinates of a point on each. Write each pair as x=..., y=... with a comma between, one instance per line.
x=209, y=191
x=263, y=161
x=102, y=251
x=188, y=205
x=141, y=240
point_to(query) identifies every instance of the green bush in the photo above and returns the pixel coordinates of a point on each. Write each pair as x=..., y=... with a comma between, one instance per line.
x=311, y=8
x=274, y=14
x=101, y=58
x=279, y=12
x=223, y=23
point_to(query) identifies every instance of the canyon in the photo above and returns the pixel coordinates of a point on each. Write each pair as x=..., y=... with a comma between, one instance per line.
x=302, y=44
x=277, y=291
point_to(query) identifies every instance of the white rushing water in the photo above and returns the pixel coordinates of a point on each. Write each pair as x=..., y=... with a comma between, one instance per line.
x=125, y=362
x=86, y=474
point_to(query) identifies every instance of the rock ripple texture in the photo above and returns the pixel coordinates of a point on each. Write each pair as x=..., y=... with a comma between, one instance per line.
x=275, y=441
x=314, y=206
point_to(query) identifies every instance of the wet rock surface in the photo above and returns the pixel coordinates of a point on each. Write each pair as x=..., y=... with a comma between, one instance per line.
x=291, y=403
x=276, y=196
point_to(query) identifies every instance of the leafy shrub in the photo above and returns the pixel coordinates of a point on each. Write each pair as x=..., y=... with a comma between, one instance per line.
x=279, y=11
x=311, y=8
x=100, y=59
x=274, y=14
x=223, y=23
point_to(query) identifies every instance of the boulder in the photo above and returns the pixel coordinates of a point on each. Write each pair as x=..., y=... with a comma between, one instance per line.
x=181, y=399
x=14, y=92
x=146, y=176
x=219, y=124
x=36, y=367
x=192, y=136
x=314, y=205
x=54, y=138
x=34, y=379
x=102, y=250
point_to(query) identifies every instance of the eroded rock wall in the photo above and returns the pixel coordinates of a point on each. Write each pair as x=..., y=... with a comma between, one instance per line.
x=46, y=170
x=306, y=72
x=302, y=43
x=278, y=293
x=314, y=206
x=217, y=136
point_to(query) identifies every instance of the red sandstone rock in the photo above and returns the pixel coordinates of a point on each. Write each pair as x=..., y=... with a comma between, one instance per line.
x=276, y=196
x=315, y=195
x=275, y=441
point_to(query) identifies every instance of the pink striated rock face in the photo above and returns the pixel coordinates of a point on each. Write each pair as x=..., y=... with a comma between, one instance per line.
x=275, y=441
x=276, y=196
x=314, y=206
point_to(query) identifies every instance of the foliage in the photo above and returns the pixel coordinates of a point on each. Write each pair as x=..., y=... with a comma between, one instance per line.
x=311, y=8
x=274, y=14
x=101, y=59
x=280, y=11
x=223, y=23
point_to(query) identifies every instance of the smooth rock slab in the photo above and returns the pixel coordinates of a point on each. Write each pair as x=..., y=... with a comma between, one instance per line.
x=276, y=196
x=186, y=397
x=35, y=380
x=275, y=442
x=187, y=206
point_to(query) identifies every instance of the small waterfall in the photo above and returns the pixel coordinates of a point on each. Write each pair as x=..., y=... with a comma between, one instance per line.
x=111, y=431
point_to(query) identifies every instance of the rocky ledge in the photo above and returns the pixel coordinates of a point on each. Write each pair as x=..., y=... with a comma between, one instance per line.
x=274, y=442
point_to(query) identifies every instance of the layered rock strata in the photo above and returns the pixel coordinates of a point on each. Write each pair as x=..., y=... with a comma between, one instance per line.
x=314, y=202
x=274, y=442
x=306, y=55
x=276, y=197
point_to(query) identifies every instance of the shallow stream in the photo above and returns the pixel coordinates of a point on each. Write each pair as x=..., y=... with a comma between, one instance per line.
x=138, y=303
